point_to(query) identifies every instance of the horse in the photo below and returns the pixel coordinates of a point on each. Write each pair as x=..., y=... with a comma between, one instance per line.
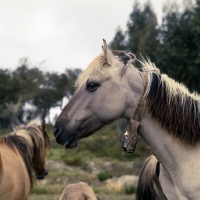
x=148, y=184
x=21, y=151
x=78, y=191
x=162, y=111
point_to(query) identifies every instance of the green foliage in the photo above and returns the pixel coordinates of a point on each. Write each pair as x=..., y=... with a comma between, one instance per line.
x=130, y=189
x=54, y=189
x=178, y=53
x=102, y=176
x=73, y=160
x=29, y=85
x=119, y=42
x=173, y=46
x=142, y=31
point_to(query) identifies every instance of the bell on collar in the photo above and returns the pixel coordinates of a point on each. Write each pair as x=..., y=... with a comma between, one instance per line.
x=124, y=144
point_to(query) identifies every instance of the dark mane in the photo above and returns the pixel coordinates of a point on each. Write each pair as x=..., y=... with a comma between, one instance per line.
x=174, y=107
x=124, y=56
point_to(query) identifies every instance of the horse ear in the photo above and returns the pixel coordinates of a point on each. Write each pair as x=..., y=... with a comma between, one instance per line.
x=110, y=57
x=43, y=126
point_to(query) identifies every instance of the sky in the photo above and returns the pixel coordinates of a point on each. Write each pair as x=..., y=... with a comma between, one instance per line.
x=59, y=34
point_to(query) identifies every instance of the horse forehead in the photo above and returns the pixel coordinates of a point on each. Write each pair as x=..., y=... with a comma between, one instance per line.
x=110, y=73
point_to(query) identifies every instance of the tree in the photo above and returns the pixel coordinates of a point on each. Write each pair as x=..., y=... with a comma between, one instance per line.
x=142, y=31
x=51, y=94
x=196, y=23
x=118, y=41
x=178, y=51
x=18, y=87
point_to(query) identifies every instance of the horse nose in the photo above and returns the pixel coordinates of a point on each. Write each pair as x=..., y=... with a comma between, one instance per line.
x=46, y=172
x=55, y=130
x=41, y=176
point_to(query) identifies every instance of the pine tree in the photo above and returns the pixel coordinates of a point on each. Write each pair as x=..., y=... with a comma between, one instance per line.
x=178, y=51
x=118, y=41
x=142, y=31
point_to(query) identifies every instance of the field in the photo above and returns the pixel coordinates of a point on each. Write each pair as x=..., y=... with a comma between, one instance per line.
x=96, y=159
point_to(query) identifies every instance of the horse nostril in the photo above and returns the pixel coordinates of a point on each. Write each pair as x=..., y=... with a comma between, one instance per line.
x=46, y=172
x=56, y=130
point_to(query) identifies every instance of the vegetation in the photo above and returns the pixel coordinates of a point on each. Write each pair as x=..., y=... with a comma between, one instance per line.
x=173, y=46
x=130, y=189
x=27, y=92
x=102, y=176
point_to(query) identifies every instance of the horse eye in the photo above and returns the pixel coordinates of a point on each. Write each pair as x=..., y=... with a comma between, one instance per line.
x=92, y=86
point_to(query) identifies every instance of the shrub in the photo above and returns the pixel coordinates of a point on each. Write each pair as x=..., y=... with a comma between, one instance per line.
x=130, y=189
x=74, y=160
x=102, y=176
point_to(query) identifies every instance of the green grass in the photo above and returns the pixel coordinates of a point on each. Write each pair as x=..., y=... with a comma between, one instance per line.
x=100, y=197
x=44, y=197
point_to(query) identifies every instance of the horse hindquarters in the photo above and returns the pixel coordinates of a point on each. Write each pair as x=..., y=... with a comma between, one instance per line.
x=148, y=184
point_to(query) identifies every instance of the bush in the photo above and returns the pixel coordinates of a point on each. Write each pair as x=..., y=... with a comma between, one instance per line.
x=130, y=189
x=102, y=176
x=74, y=160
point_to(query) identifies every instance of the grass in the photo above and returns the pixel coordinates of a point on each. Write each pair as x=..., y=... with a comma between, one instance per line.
x=100, y=197
x=44, y=197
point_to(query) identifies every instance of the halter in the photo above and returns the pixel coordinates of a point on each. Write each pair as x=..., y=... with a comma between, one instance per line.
x=129, y=140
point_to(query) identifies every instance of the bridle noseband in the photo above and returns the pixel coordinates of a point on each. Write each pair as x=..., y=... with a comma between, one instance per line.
x=129, y=140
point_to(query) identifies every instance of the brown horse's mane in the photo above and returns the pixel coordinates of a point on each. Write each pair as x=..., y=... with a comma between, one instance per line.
x=173, y=106
x=29, y=141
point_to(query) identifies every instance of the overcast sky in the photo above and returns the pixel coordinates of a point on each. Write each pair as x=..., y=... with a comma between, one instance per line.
x=61, y=33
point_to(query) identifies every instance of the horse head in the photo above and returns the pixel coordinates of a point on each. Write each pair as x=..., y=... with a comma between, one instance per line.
x=102, y=96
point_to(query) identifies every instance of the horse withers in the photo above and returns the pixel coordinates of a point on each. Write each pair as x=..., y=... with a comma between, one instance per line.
x=21, y=151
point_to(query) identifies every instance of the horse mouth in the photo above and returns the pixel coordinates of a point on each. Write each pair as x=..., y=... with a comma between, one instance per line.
x=68, y=142
x=72, y=142
x=41, y=176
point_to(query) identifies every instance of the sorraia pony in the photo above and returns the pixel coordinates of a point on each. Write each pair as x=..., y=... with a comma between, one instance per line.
x=169, y=119
x=21, y=151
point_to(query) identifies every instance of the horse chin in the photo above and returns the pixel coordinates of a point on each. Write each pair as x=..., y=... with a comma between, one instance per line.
x=41, y=176
x=71, y=144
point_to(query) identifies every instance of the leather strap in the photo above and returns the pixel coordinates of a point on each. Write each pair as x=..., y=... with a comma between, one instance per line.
x=129, y=140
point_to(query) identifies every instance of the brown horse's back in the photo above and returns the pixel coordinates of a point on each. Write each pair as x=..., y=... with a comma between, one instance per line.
x=78, y=191
x=14, y=178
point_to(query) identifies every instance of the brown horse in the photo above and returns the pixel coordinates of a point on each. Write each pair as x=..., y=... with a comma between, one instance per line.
x=78, y=191
x=21, y=151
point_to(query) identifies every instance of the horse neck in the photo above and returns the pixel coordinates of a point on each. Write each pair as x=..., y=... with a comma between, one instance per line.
x=134, y=91
x=170, y=151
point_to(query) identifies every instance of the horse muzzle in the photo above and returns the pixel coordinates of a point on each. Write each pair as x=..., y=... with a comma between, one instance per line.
x=41, y=176
x=68, y=140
